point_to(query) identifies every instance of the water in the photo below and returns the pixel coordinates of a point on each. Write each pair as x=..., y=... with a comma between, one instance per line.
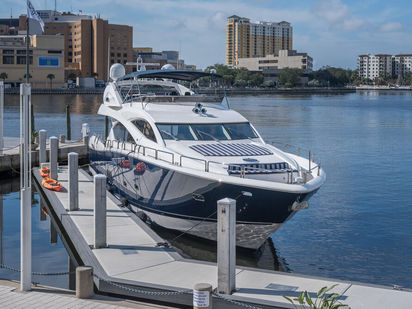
x=357, y=226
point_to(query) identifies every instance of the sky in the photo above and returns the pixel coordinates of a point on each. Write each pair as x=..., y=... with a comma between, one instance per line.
x=332, y=32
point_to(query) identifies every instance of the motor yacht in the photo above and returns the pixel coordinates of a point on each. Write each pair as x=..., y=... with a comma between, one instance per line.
x=172, y=154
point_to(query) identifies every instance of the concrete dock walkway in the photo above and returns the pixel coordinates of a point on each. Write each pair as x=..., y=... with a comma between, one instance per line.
x=43, y=297
x=134, y=262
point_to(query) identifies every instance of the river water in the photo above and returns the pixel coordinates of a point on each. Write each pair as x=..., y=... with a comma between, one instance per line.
x=358, y=226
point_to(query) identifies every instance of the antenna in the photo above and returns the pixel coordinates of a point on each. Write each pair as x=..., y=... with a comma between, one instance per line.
x=55, y=5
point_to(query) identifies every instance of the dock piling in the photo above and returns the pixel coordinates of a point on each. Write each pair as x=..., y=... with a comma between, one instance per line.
x=68, y=123
x=73, y=195
x=85, y=133
x=54, y=148
x=42, y=146
x=84, y=282
x=62, y=138
x=202, y=296
x=100, y=211
x=226, y=245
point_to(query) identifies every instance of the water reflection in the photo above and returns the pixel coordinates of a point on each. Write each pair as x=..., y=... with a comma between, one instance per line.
x=48, y=252
x=199, y=249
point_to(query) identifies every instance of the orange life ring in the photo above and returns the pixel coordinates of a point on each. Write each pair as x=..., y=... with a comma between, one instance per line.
x=140, y=167
x=125, y=163
x=45, y=172
x=51, y=184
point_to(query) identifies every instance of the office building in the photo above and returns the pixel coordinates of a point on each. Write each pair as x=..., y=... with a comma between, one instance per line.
x=46, y=57
x=91, y=44
x=245, y=39
x=283, y=59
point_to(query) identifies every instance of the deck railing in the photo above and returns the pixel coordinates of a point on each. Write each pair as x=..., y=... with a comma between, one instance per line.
x=169, y=157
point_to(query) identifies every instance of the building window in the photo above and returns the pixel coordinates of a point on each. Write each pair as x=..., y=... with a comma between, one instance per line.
x=124, y=61
x=54, y=51
x=124, y=55
x=112, y=61
x=119, y=54
x=8, y=51
x=112, y=54
x=22, y=60
x=8, y=59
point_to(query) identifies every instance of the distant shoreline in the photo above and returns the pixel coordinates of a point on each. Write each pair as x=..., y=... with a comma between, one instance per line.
x=231, y=91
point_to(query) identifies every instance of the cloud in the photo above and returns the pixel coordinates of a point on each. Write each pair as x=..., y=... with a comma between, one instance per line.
x=337, y=15
x=391, y=26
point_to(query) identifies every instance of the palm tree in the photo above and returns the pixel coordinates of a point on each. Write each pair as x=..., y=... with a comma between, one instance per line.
x=71, y=76
x=4, y=76
x=51, y=77
x=94, y=74
x=26, y=75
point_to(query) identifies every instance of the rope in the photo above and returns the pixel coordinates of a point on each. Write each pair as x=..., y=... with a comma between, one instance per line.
x=38, y=273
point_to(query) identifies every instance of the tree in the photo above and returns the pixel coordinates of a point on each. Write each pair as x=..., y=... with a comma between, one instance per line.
x=4, y=76
x=289, y=77
x=51, y=77
x=94, y=75
x=71, y=76
x=25, y=75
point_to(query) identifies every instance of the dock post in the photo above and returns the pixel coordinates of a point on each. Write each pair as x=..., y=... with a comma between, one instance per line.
x=54, y=152
x=85, y=133
x=202, y=296
x=72, y=273
x=62, y=138
x=73, y=196
x=1, y=116
x=42, y=204
x=53, y=232
x=25, y=185
x=226, y=245
x=84, y=282
x=99, y=211
x=68, y=123
x=42, y=147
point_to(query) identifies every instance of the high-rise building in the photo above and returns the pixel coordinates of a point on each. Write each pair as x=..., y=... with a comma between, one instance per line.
x=245, y=39
x=91, y=44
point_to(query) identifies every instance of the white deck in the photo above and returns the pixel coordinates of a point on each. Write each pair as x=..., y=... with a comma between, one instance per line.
x=132, y=255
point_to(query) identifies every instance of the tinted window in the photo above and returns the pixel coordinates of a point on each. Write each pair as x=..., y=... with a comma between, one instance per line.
x=176, y=131
x=145, y=128
x=208, y=132
x=240, y=130
x=121, y=134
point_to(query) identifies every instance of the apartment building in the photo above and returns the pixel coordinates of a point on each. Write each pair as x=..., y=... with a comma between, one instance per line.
x=283, y=59
x=46, y=54
x=91, y=43
x=373, y=66
x=245, y=39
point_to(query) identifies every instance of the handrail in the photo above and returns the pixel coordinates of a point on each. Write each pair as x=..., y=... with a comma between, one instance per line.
x=206, y=163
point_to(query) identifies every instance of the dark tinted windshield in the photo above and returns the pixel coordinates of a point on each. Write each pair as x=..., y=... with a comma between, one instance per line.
x=206, y=132
x=145, y=128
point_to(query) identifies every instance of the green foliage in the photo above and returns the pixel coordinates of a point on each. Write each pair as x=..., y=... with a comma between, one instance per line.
x=3, y=76
x=334, y=77
x=322, y=300
x=237, y=77
x=94, y=74
x=289, y=77
x=51, y=77
x=71, y=76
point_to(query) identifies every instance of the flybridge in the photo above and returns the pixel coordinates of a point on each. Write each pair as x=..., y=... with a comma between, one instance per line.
x=169, y=74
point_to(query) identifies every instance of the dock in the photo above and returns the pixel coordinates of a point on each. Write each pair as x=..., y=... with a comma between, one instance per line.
x=10, y=159
x=137, y=263
x=49, y=297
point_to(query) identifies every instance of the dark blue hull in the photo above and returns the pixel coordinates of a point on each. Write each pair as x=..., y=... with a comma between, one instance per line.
x=163, y=192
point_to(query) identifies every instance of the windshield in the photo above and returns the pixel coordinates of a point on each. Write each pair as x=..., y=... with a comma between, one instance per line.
x=206, y=132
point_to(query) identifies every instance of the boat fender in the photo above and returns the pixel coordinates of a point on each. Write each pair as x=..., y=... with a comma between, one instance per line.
x=125, y=163
x=140, y=168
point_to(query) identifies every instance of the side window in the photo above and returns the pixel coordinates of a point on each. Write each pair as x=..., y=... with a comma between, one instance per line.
x=121, y=133
x=145, y=128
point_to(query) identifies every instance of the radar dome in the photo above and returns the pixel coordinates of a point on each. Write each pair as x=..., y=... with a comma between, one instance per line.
x=168, y=67
x=116, y=71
